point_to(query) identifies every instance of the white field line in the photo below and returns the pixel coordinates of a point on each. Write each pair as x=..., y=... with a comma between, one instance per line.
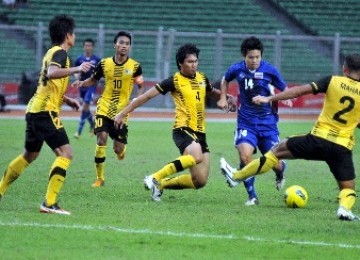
x=175, y=234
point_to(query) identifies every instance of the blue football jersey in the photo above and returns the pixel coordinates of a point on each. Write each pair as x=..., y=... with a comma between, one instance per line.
x=82, y=58
x=252, y=83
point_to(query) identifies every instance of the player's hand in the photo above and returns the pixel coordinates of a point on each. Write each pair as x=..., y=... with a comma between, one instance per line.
x=258, y=100
x=119, y=120
x=287, y=102
x=86, y=66
x=232, y=104
x=77, y=84
x=223, y=104
x=72, y=102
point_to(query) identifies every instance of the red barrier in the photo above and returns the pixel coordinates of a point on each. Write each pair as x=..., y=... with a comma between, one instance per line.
x=309, y=101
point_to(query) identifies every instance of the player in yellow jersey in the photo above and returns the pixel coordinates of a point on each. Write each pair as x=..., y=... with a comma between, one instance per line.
x=43, y=123
x=120, y=73
x=331, y=139
x=188, y=88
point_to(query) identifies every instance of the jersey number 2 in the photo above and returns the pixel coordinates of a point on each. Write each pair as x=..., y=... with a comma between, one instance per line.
x=350, y=106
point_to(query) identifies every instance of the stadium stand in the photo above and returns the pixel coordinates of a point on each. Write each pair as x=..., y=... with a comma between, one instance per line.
x=325, y=17
x=240, y=16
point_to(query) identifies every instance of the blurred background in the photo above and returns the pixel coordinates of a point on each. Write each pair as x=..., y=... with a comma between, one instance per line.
x=305, y=39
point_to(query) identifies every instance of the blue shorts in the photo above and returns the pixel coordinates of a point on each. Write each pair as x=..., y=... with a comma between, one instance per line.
x=87, y=93
x=263, y=136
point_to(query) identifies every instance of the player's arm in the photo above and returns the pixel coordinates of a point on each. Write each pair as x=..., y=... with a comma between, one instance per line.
x=72, y=102
x=85, y=83
x=290, y=93
x=139, y=81
x=223, y=101
x=135, y=103
x=56, y=72
x=287, y=102
x=230, y=100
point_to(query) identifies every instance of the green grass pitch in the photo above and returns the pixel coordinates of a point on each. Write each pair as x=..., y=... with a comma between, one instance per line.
x=119, y=221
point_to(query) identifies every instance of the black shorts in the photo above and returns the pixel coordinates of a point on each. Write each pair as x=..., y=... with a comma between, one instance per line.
x=105, y=124
x=184, y=136
x=311, y=147
x=44, y=126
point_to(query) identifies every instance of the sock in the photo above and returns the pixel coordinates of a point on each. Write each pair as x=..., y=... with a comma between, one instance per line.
x=250, y=188
x=13, y=171
x=84, y=115
x=100, y=155
x=91, y=120
x=347, y=198
x=257, y=166
x=121, y=155
x=181, y=163
x=249, y=185
x=177, y=183
x=56, y=179
x=283, y=168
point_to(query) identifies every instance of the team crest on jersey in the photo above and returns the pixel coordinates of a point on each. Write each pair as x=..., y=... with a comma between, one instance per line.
x=127, y=71
x=202, y=84
x=258, y=75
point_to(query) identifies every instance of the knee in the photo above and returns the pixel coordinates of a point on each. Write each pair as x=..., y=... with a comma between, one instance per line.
x=29, y=157
x=69, y=155
x=199, y=182
x=199, y=158
x=245, y=159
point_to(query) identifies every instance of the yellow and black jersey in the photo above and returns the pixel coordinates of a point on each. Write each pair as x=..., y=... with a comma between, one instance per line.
x=189, y=97
x=341, y=110
x=119, y=82
x=50, y=92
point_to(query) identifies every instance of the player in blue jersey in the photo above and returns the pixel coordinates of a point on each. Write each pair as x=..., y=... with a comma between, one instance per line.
x=256, y=125
x=86, y=93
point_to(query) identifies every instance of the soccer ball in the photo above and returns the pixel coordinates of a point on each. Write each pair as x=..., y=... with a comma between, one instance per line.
x=295, y=197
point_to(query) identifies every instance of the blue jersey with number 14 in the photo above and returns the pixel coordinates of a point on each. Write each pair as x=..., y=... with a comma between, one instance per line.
x=251, y=84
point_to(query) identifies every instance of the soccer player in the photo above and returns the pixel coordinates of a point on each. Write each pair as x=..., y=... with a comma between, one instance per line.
x=188, y=88
x=86, y=93
x=120, y=73
x=331, y=139
x=43, y=123
x=256, y=125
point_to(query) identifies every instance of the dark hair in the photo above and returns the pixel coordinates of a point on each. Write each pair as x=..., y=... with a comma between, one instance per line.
x=122, y=33
x=251, y=43
x=89, y=40
x=59, y=26
x=352, y=61
x=185, y=50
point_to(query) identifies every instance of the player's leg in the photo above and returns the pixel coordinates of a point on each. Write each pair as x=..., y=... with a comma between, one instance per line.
x=246, y=151
x=82, y=92
x=295, y=147
x=245, y=142
x=189, y=147
x=14, y=169
x=342, y=167
x=197, y=178
x=56, y=138
x=20, y=163
x=86, y=108
x=101, y=130
x=266, y=142
x=120, y=137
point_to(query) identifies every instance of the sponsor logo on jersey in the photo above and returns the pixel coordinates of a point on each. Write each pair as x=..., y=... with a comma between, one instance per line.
x=258, y=75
